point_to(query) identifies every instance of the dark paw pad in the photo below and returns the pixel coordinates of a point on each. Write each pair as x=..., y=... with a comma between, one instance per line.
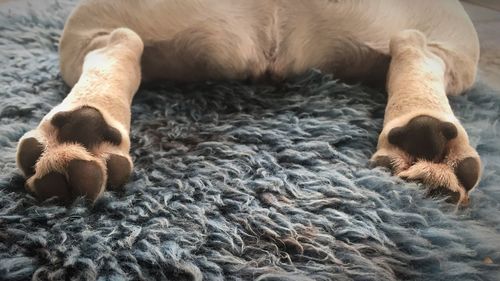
x=53, y=185
x=424, y=137
x=119, y=170
x=381, y=161
x=467, y=172
x=86, y=126
x=30, y=149
x=85, y=178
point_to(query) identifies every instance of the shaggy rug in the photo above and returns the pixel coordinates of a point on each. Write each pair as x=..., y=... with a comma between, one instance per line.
x=238, y=182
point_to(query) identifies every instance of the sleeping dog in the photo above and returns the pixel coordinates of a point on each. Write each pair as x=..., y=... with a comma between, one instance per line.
x=422, y=50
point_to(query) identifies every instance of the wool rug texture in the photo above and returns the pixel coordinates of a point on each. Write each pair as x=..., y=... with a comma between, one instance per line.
x=234, y=181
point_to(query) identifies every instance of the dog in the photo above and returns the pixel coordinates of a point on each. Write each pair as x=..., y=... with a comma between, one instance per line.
x=422, y=50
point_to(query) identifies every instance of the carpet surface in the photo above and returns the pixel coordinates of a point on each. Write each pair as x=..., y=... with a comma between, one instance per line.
x=238, y=182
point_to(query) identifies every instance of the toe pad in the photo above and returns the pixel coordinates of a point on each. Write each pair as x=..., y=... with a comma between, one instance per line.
x=53, y=185
x=382, y=161
x=119, y=170
x=30, y=149
x=85, y=178
x=467, y=172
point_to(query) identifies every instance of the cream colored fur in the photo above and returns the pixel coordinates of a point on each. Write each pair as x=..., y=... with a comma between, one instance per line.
x=431, y=45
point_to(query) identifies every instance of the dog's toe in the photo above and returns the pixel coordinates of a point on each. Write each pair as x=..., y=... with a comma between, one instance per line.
x=439, y=178
x=468, y=171
x=81, y=178
x=382, y=161
x=29, y=151
x=119, y=169
x=53, y=184
x=85, y=178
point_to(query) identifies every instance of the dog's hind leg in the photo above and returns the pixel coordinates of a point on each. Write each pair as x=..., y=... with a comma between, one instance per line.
x=82, y=145
x=422, y=140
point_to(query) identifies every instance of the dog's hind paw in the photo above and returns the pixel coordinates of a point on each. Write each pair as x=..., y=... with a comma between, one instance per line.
x=74, y=153
x=434, y=152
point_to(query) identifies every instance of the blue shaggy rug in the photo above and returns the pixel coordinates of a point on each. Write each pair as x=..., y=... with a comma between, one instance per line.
x=238, y=182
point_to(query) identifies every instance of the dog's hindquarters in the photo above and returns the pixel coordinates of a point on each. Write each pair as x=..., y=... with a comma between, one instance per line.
x=102, y=48
x=351, y=38
x=183, y=40
x=191, y=40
